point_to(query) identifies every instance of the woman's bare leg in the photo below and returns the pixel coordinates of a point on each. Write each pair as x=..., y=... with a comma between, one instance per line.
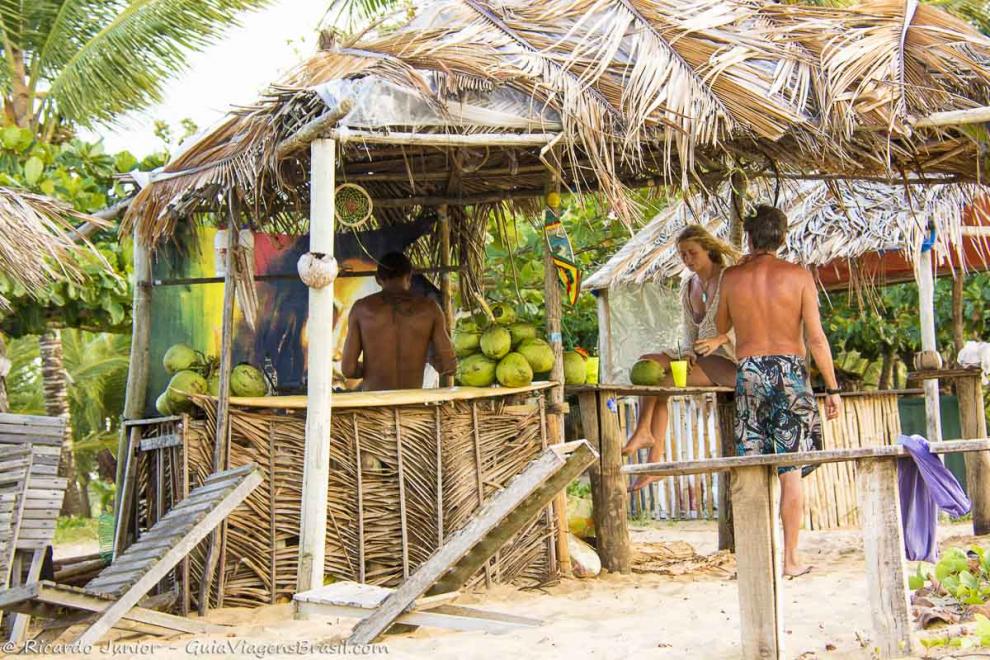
x=643, y=435
x=661, y=415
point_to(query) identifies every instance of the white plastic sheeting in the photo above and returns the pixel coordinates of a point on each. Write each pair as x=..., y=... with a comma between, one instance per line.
x=380, y=103
x=633, y=320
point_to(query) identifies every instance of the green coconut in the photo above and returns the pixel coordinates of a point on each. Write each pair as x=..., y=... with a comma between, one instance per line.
x=503, y=314
x=162, y=404
x=182, y=385
x=514, y=371
x=466, y=343
x=247, y=380
x=468, y=325
x=496, y=342
x=180, y=357
x=575, y=370
x=521, y=332
x=646, y=372
x=538, y=353
x=476, y=371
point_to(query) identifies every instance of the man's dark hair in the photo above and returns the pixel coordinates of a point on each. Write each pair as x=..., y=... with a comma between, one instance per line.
x=394, y=265
x=767, y=227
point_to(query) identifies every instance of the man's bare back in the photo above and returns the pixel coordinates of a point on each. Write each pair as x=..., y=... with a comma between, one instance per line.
x=394, y=331
x=769, y=301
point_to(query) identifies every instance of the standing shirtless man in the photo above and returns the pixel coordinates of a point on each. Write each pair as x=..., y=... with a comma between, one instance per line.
x=395, y=330
x=773, y=306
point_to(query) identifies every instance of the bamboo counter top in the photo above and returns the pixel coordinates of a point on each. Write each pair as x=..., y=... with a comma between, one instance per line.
x=644, y=390
x=385, y=398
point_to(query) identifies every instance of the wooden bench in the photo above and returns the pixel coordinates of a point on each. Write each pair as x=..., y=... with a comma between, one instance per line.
x=754, y=506
x=43, y=500
x=111, y=599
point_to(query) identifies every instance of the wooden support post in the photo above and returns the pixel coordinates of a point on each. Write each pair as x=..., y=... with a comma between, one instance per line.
x=958, y=338
x=926, y=311
x=223, y=397
x=754, y=505
x=738, y=198
x=139, y=364
x=608, y=484
x=973, y=420
x=725, y=411
x=319, y=384
x=446, y=292
x=883, y=547
x=555, y=418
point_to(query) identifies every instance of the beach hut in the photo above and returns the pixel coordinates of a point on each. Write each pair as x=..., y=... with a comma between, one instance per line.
x=471, y=105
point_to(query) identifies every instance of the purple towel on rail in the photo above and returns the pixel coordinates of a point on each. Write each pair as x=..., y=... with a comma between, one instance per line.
x=925, y=485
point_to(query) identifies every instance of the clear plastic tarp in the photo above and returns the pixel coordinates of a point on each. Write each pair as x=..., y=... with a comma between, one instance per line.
x=380, y=103
x=633, y=320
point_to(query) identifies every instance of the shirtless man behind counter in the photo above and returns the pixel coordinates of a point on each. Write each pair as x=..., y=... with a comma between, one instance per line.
x=395, y=330
x=773, y=306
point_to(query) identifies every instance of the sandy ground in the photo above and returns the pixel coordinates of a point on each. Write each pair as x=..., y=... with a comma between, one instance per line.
x=686, y=610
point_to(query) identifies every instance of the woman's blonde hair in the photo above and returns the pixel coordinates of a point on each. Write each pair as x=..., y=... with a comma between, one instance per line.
x=718, y=250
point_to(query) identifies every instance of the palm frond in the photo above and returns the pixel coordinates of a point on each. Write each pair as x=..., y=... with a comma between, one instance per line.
x=128, y=51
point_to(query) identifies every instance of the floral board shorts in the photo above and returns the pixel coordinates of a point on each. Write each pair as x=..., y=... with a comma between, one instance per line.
x=776, y=411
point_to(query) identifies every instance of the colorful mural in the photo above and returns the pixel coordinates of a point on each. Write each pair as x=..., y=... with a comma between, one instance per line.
x=191, y=314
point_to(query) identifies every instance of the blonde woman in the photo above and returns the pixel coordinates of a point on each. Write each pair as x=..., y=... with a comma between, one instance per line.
x=710, y=355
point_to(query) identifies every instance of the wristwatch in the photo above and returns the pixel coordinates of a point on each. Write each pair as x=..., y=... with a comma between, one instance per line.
x=829, y=390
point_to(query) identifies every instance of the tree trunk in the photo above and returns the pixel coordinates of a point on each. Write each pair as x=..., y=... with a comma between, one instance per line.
x=55, y=384
x=4, y=372
x=887, y=371
x=84, y=502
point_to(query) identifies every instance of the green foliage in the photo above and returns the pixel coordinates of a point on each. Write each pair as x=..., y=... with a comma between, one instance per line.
x=82, y=62
x=76, y=530
x=514, y=263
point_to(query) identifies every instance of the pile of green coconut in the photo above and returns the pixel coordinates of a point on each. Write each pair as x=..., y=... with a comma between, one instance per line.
x=194, y=373
x=509, y=351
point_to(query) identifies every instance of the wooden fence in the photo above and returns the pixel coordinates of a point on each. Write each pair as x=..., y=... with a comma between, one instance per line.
x=869, y=419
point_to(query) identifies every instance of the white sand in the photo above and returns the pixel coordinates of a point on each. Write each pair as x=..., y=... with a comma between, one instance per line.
x=639, y=615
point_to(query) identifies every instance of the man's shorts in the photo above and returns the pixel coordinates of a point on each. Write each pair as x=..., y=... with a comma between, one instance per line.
x=776, y=411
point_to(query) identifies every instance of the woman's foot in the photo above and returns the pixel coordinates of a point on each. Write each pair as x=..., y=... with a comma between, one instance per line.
x=792, y=571
x=639, y=440
x=641, y=482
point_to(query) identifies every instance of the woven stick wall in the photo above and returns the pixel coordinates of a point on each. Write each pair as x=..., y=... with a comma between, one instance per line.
x=402, y=479
x=830, y=491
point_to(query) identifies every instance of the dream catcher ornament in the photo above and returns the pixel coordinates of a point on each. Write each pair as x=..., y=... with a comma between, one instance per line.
x=352, y=205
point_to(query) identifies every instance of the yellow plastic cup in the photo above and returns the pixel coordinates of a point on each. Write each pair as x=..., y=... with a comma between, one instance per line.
x=592, y=365
x=678, y=371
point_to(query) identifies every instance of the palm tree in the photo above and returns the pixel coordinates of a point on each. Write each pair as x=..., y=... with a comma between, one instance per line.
x=86, y=62
x=92, y=376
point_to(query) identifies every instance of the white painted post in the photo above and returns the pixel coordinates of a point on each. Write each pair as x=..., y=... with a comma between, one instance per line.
x=319, y=390
x=926, y=309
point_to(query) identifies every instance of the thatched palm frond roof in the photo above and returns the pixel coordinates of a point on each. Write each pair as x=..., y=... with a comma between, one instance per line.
x=678, y=92
x=828, y=223
x=37, y=244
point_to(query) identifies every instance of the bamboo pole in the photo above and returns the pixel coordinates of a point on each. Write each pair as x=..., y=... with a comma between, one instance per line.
x=312, y=130
x=954, y=118
x=319, y=386
x=446, y=295
x=555, y=416
x=347, y=135
x=957, y=311
x=926, y=311
x=138, y=369
x=223, y=397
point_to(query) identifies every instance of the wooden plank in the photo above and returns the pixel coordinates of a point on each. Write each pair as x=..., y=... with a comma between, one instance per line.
x=754, y=510
x=479, y=478
x=161, y=442
x=444, y=616
x=59, y=595
x=126, y=502
x=19, y=623
x=32, y=420
x=883, y=548
x=798, y=458
x=471, y=546
x=608, y=489
x=403, y=534
x=32, y=431
x=727, y=449
x=189, y=541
